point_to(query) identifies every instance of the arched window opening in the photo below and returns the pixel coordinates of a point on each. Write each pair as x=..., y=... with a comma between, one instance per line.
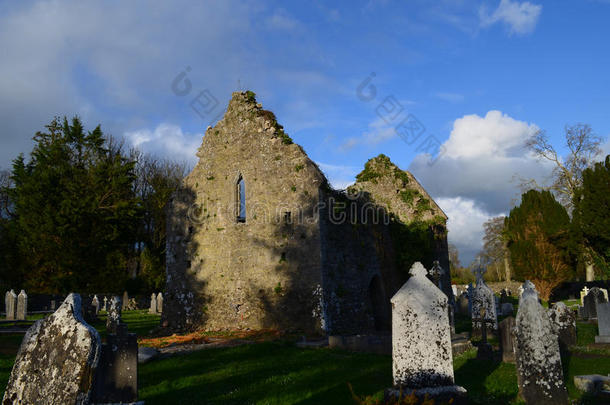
x=241, y=200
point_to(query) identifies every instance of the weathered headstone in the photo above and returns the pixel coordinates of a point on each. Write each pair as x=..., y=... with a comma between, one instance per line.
x=463, y=304
x=591, y=300
x=507, y=339
x=117, y=376
x=507, y=309
x=563, y=320
x=57, y=359
x=470, y=292
x=421, y=339
x=603, y=322
x=113, y=319
x=483, y=299
x=22, y=306
x=160, y=303
x=539, y=371
x=153, y=304
x=484, y=349
x=105, y=307
x=125, y=301
x=95, y=302
x=10, y=302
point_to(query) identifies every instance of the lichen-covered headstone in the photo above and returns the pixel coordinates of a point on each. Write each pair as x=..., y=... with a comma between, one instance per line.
x=160, y=303
x=22, y=306
x=564, y=324
x=10, y=302
x=95, y=302
x=539, y=371
x=153, y=304
x=507, y=339
x=591, y=300
x=113, y=319
x=603, y=322
x=57, y=359
x=421, y=335
x=483, y=301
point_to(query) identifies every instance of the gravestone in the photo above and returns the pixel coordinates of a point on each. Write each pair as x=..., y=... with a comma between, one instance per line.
x=421, y=340
x=95, y=302
x=484, y=349
x=563, y=320
x=463, y=304
x=10, y=302
x=160, y=303
x=470, y=292
x=507, y=339
x=153, y=304
x=105, y=307
x=113, y=319
x=116, y=380
x=591, y=300
x=538, y=359
x=22, y=306
x=125, y=301
x=57, y=359
x=507, y=309
x=583, y=294
x=483, y=299
x=603, y=322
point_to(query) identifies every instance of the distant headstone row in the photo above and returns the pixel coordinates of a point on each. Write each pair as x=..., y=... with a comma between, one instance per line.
x=156, y=304
x=590, y=298
x=16, y=306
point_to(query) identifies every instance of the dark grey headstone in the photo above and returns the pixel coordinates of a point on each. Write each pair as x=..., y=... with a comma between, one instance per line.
x=507, y=339
x=594, y=296
x=539, y=371
x=463, y=304
x=56, y=361
x=603, y=323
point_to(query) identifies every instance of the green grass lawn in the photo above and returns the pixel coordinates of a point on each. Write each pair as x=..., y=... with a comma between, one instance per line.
x=280, y=373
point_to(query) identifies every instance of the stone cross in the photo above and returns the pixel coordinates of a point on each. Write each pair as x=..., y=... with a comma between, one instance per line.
x=96, y=304
x=583, y=294
x=57, y=359
x=113, y=320
x=22, y=306
x=160, y=303
x=479, y=270
x=539, y=371
x=484, y=350
x=153, y=304
x=105, y=307
x=10, y=302
x=483, y=298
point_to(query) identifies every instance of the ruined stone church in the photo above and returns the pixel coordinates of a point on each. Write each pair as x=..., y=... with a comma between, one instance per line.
x=257, y=238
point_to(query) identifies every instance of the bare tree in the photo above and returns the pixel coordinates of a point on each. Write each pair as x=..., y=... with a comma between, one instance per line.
x=583, y=150
x=495, y=251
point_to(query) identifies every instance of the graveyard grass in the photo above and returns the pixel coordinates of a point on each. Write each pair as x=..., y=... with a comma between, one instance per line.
x=280, y=373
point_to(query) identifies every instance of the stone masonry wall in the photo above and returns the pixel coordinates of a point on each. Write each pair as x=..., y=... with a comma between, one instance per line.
x=266, y=271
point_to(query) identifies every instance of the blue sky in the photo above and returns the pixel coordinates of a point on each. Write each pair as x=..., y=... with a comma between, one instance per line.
x=479, y=76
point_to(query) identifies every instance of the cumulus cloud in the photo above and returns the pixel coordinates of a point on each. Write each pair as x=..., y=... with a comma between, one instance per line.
x=340, y=176
x=520, y=17
x=378, y=131
x=478, y=175
x=166, y=140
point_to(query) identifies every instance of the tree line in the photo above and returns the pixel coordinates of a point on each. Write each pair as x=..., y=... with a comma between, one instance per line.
x=559, y=232
x=84, y=213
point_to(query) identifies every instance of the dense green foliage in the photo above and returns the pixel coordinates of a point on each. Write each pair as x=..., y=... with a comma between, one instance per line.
x=82, y=214
x=538, y=234
x=591, y=215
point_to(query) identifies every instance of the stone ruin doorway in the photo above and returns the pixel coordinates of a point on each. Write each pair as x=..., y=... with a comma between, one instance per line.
x=380, y=306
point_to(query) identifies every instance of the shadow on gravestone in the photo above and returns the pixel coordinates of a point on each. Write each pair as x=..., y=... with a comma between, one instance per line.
x=421, y=341
x=563, y=320
x=603, y=323
x=539, y=371
x=57, y=359
x=591, y=300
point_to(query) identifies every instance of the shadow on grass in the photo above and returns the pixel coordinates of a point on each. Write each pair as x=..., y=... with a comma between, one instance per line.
x=266, y=373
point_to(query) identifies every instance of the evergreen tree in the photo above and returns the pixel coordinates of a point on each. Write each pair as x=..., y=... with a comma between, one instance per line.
x=591, y=216
x=538, y=234
x=74, y=210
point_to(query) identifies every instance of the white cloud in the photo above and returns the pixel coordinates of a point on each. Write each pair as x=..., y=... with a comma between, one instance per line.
x=166, y=140
x=477, y=176
x=520, y=17
x=281, y=20
x=340, y=176
x=465, y=225
x=378, y=131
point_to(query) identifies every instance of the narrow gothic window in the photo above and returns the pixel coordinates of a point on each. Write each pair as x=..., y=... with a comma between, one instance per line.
x=241, y=200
